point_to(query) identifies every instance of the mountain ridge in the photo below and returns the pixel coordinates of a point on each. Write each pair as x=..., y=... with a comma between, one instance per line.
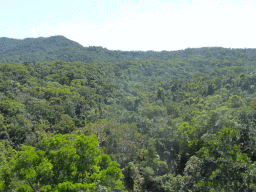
x=61, y=48
x=31, y=45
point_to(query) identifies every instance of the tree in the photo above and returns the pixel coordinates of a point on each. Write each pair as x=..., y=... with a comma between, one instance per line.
x=121, y=141
x=64, y=163
x=224, y=166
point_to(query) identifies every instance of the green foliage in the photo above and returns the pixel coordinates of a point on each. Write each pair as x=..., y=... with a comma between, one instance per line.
x=172, y=110
x=10, y=108
x=151, y=111
x=231, y=167
x=65, y=126
x=235, y=101
x=253, y=104
x=121, y=141
x=190, y=141
x=65, y=163
x=129, y=173
x=154, y=113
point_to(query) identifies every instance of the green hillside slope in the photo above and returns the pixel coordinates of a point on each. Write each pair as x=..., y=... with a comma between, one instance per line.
x=88, y=118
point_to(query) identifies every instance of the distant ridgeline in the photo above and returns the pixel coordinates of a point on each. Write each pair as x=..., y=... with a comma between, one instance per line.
x=60, y=48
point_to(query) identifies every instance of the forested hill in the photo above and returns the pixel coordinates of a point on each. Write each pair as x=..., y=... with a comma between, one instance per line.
x=60, y=48
x=76, y=118
x=14, y=47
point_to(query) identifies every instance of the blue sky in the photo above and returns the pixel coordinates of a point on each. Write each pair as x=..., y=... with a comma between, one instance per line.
x=134, y=24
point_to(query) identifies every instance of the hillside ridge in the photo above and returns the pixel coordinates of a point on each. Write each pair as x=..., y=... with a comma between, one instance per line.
x=61, y=48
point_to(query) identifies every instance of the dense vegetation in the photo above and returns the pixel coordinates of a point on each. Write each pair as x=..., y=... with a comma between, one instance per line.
x=75, y=118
